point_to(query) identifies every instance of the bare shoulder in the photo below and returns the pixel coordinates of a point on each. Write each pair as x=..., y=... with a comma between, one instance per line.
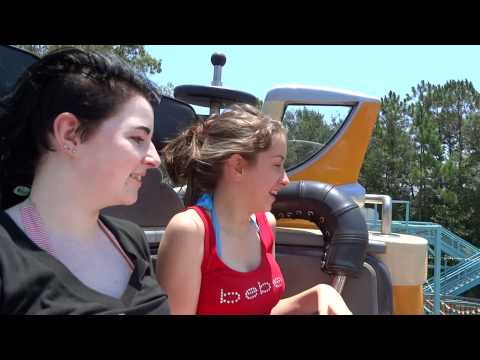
x=179, y=262
x=184, y=229
x=271, y=219
x=182, y=241
x=187, y=220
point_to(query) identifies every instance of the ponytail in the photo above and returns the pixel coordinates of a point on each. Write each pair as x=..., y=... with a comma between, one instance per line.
x=195, y=158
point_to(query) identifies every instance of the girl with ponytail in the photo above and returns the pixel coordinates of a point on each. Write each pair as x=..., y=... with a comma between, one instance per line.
x=218, y=256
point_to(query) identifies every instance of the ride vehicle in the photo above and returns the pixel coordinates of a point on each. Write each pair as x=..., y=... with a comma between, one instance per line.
x=322, y=235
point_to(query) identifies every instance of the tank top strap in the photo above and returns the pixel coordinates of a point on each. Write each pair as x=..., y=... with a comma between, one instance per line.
x=208, y=239
x=266, y=233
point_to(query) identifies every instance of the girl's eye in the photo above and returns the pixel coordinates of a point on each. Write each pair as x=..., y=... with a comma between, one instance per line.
x=137, y=139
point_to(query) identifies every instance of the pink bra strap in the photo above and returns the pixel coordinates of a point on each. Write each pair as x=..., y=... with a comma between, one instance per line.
x=35, y=230
x=34, y=227
x=115, y=243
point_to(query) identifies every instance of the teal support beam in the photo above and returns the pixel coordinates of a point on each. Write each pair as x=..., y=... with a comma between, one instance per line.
x=436, y=271
x=407, y=213
x=445, y=278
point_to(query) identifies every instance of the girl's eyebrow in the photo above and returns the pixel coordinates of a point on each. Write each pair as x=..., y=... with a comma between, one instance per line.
x=144, y=128
x=280, y=156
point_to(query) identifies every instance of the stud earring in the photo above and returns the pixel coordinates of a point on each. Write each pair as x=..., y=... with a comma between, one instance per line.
x=68, y=148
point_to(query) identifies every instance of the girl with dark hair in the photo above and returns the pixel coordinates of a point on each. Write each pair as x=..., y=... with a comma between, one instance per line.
x=75, y=137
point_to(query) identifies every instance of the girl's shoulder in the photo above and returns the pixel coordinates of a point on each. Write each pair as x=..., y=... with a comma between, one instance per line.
x=271, y=219
x=189, y=221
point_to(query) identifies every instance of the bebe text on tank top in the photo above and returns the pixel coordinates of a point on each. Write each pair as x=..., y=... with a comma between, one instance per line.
x=224, y=291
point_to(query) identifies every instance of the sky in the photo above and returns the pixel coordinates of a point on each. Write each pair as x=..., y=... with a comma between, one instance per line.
x=370, y=69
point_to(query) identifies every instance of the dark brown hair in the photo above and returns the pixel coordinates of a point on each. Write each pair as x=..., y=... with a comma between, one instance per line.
x=91, y=85
x=196, y=156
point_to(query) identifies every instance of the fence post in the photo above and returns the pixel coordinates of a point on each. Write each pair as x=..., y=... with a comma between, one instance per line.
x=436, y=271
x=407, y=210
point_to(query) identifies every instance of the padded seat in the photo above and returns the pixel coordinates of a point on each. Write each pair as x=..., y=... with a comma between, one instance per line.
x=299, y=254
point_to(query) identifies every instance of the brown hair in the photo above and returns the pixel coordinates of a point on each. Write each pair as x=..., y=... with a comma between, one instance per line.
x=199, y=152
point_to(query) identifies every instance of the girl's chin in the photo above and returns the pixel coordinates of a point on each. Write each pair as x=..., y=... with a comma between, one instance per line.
x=129, y=198
x=272, y=200
x=130, y=202
x=267, y=206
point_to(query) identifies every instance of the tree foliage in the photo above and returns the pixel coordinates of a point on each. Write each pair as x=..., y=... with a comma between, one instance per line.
x=426, y=148
x=308, y=131
x=390, y=151
x=136, y=55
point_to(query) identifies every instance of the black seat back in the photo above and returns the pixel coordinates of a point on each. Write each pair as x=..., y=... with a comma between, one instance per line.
x=13, y=63
x=171, y=117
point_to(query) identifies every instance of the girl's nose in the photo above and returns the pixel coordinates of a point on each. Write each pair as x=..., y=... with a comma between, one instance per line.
x=285, y=180
x=152, y=159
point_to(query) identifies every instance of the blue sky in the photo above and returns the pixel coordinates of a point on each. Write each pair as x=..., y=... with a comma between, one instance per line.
x=372, y=69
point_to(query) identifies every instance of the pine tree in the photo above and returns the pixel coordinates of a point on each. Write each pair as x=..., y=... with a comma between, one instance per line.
x=389, y=158
x=428, y=151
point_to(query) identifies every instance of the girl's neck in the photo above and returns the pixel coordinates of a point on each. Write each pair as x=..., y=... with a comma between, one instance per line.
x=62, y=209
x=232, y=211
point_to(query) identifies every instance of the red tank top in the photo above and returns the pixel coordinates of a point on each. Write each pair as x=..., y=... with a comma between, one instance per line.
x=224, y=291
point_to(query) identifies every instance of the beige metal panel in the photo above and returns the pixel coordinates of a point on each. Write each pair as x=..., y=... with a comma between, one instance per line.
x=405, y=256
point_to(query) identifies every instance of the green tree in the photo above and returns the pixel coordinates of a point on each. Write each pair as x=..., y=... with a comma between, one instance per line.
x=373, y=166
x=456, y=102
x=428, y=150
x=136, y=55
x=308, y=125
x=307, y=133
x=388, y=161
x=429, y=143
x=166, y=89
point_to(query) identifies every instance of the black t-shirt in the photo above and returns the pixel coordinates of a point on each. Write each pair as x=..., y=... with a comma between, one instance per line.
x=34, y=282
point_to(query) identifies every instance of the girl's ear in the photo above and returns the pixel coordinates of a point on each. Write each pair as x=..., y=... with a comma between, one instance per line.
x=65, y=136
x=235, y=166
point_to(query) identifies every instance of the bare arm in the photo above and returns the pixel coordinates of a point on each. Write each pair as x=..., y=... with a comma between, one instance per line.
x=180, y=257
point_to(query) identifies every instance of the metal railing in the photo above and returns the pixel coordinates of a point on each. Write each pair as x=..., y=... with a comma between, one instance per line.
x=453, y=305
x=386, y=202
x=454, y=279
x=460, y=277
